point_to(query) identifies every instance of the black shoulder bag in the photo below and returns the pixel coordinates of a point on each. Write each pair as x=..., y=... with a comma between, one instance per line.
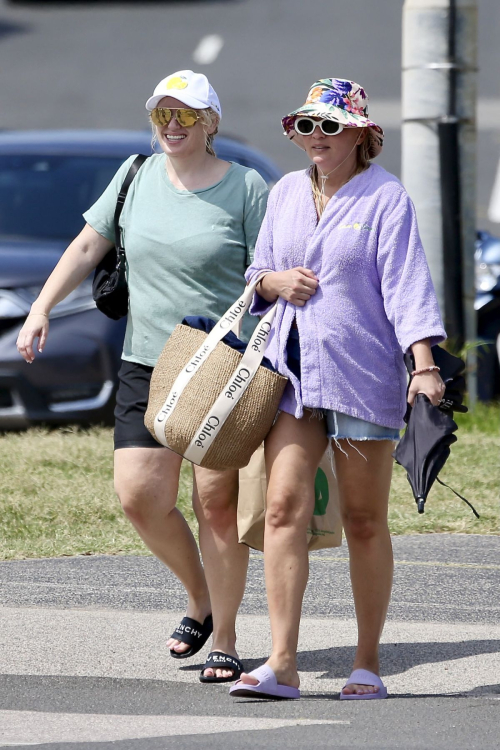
x=109, y=288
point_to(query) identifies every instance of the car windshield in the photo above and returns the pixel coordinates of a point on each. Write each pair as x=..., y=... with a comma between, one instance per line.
x=43, y=197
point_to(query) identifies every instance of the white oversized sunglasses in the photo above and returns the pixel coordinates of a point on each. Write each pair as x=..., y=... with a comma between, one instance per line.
x=306, y=126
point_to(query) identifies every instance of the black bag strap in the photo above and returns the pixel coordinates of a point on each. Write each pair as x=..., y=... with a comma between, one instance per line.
x=460, y=496
x=134, y=168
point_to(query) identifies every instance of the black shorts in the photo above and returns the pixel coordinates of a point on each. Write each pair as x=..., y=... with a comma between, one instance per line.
x=131, y=405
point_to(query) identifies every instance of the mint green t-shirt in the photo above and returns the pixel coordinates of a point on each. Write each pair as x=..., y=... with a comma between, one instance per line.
x=187, y=251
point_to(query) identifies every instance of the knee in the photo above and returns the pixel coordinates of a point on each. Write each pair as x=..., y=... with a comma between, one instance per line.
x=138, y=504
x=363, y=525
x=133, y=503
x=285, y=510
x=217, y=511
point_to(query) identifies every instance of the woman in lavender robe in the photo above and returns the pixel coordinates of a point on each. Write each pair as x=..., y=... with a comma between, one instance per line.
x=346, y=266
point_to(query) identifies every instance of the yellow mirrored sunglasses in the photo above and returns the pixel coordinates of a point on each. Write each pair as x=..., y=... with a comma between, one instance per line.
x=161, y=116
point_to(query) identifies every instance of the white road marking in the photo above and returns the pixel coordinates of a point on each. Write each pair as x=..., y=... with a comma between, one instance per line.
x=208, y=49
x=435, y=657
x=33, y=727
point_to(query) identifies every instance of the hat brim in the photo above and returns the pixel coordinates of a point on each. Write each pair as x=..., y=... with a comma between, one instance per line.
x=331, y=112
x=189, y=101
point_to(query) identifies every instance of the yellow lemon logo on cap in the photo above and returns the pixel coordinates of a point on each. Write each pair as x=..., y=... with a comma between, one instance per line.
x=177, y=82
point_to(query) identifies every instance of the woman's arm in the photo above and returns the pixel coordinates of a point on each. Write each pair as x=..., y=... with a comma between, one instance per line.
x=409, y=298
x=428, y=382
x=410, y=301
x=296, y=285
x=81, y=257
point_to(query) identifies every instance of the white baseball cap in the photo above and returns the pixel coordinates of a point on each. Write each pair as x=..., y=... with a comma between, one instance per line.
x=192, y=89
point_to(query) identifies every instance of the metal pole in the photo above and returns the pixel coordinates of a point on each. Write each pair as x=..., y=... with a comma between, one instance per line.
x=451, y=212
x=439, y=136
x=451, y=224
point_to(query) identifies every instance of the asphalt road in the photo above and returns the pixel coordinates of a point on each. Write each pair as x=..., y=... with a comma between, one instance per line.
x=93, y=65
x=85, y=665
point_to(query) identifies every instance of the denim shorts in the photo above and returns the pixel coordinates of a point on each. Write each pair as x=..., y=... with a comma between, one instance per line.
x=339, y=426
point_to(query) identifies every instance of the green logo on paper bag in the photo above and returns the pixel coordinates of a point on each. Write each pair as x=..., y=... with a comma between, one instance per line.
x=321, y=493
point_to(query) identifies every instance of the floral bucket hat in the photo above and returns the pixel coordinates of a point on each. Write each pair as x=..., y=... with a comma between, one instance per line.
x=342, y=101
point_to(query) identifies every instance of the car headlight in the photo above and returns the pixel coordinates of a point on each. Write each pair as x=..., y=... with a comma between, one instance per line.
x=16, y=303
x=487, y=275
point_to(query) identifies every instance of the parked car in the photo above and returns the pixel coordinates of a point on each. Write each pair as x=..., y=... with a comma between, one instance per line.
x=47, y=180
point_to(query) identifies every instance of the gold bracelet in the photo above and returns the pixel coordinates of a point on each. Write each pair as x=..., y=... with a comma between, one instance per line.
x=32, y=312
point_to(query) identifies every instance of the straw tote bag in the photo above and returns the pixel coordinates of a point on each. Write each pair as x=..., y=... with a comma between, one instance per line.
x=208, y=402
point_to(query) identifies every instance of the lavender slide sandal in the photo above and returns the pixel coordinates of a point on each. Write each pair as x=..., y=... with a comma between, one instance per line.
x=363, y=677
x=268, y=686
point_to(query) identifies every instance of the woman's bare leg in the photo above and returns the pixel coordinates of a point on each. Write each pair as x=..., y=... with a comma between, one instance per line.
x=293, y=451
x=215, y=500
x=147, y=482
x=364, y=485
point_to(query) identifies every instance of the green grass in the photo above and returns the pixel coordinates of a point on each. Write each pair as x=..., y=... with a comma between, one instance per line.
x=484, y=418
x=473, y=470
x=57, y=498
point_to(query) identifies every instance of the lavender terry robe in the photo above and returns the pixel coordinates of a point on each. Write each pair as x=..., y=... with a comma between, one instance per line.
x=375, y=295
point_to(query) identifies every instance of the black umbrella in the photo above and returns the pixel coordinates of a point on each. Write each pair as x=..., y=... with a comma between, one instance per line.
x=425, y=446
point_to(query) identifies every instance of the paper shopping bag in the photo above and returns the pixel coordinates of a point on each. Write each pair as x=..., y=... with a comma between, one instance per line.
x=325, y=528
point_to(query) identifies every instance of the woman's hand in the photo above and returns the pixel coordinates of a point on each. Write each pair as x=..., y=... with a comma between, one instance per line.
x=78, y=260
x=36, y=326
x=297, y=286
x=429, y=383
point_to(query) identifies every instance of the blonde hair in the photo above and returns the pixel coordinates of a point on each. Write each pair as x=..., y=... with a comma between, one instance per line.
x=208, y=118
x=363, y=155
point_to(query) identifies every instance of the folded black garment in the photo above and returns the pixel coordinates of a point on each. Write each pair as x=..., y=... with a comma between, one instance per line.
x=451, y=371
x=230, y=339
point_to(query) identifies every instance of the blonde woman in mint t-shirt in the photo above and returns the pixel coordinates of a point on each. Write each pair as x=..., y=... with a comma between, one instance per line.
x=189, y=223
